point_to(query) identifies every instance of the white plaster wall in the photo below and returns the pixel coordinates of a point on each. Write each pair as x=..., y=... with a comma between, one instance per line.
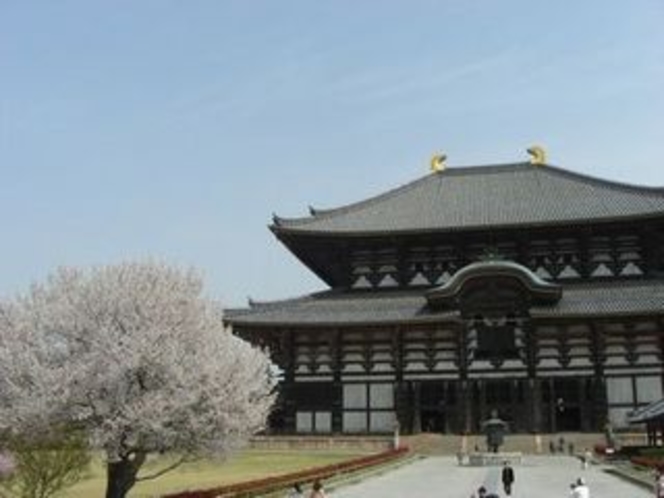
x=355, y=422
x=355, y=396
x=619, y=390
x=382, y=421
x=648, y=389
x=382, y=395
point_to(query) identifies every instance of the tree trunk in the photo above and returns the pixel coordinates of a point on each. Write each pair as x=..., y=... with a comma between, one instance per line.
x=121, y=475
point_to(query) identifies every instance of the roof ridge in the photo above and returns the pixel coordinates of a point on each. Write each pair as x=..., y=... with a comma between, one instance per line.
x=629, y=187
x=604, y=192
x=256, y=305
x=318, y=213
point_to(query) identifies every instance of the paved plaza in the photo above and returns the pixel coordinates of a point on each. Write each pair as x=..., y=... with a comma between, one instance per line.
x=536, y=477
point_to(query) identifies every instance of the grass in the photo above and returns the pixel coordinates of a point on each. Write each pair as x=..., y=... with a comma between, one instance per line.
x=247, y=465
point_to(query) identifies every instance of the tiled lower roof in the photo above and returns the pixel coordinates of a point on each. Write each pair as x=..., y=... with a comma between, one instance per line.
x=652, y=411
x=383, y=307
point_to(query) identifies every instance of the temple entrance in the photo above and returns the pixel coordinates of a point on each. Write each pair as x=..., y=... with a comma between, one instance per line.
x=569, y=420
x=565, y=401
x=436, y=399
x=505, y=396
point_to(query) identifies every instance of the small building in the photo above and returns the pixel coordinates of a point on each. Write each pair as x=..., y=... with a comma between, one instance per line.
x=652, y=416
x=523, y=288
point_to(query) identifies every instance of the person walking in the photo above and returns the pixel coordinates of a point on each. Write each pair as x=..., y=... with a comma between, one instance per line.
x=482, y=493
x=296, y=491
x=317, y=490
x=580, y=489
x=507, y=478
x=586, y=458
x=659, y=482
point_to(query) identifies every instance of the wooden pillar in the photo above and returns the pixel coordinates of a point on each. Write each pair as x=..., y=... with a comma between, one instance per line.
x=336, y=346
x=584, y=408
x=402, y=406
x=416, y=407
x=518, y=416
x=584, y=253
x=553, y=420
x=464, y=410
x=289, y=380
x=483, y=411
x=599, y=404
x=463, y=387
x=533, y=385
x=534, y=403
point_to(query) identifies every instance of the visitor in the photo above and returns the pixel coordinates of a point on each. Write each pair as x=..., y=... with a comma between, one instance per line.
x=586, y=459
x=507, y=478
x=296, y=491
x=317, y=490
x=659, y=482
x=482, y=493
x=580, y=489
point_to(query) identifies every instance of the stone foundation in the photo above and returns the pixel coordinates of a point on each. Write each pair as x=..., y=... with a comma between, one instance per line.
x=489, y=459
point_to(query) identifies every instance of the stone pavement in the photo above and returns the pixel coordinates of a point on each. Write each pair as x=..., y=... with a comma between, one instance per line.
x=536, y=477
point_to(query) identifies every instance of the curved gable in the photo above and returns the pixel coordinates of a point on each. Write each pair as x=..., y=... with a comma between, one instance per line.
x=493, y=283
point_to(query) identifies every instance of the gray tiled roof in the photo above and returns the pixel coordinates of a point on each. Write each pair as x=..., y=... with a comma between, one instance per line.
x=335, y=308
x=477, y=197
x=652, y=411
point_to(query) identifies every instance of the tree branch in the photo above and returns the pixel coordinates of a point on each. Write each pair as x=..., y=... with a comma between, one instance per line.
x=149, y=477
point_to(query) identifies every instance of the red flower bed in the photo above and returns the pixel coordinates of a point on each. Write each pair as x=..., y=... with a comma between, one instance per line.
x=643, y=461
x=274, y=483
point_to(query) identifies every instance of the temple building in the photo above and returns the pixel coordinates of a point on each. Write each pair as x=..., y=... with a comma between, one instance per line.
x=523, y=288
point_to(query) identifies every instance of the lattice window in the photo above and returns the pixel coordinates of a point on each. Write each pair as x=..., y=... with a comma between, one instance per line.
x=496, y=338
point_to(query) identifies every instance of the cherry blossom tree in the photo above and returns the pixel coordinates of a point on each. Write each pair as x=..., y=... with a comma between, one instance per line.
x=136, y=357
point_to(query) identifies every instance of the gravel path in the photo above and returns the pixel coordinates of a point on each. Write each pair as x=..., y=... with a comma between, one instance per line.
x=536, y=477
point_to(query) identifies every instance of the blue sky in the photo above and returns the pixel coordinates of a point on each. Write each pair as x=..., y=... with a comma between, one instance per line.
x=174, y=129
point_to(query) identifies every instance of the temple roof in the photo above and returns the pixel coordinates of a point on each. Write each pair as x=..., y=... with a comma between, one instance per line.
x=653, y=411
x=334, y=308
x=464, y=198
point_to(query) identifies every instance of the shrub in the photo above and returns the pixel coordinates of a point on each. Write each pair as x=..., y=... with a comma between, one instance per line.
x=45, y=467
x=275, y=483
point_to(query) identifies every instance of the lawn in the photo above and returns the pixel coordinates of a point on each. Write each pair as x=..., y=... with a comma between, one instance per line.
x=246, y=465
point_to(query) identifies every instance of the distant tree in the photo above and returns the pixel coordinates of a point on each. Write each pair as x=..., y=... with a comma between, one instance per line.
x=46, y=465
x=135, y=357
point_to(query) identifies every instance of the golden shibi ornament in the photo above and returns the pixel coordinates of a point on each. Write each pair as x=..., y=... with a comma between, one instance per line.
x=537, y=154
x=438, y=163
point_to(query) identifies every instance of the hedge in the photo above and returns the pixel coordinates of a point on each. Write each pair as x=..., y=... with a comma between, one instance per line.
x=275, y=483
